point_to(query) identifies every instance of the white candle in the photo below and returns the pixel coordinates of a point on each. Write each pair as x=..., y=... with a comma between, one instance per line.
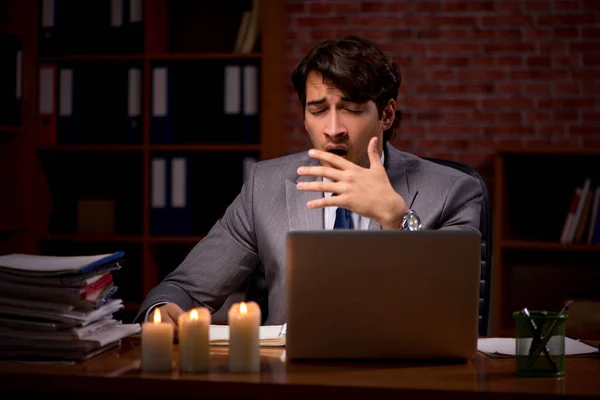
x=157, y=345
x=193, y=340
x=244, y=346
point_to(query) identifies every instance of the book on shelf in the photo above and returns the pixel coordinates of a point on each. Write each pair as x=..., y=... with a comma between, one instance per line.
x=581, y=222
x=60, y=307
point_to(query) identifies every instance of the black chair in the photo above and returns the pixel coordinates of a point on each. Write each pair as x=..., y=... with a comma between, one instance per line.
x=485, y=227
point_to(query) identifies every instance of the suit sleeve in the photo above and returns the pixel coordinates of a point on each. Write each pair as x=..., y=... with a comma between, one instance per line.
x=462, y=209
x=218, y=265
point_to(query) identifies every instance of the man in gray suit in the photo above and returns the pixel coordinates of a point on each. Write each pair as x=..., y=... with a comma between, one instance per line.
x=348, y=90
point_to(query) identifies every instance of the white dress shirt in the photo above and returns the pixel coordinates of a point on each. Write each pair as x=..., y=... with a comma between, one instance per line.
x=361, y=223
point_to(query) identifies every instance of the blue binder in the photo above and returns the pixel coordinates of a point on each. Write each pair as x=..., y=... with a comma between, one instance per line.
x=162, y=106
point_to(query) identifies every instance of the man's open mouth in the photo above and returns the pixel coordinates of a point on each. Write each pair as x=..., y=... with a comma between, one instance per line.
x=339, y=152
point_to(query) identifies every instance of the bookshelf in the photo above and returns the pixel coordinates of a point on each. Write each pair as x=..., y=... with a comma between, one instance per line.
x=532, y=268
x=103, y=152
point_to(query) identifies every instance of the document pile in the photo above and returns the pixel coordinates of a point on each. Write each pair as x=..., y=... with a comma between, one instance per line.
x=59, y=308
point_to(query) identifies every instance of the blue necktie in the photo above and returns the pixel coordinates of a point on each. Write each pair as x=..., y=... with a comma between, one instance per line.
x=343, y=219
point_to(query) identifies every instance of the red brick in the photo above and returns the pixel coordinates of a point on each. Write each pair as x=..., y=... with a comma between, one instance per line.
x=320, y=8
x=506, y=5
x=428, y=33
x=509, y=48
x=510, y=20
x=468, y=88
x=510, y=88
x=536, y=117
x=537, y=5
x=568, y=103
x=428, y=6
x=509, y=130
x=566, y=33
x=347, y=8
x=430, y=61
x=481, y=74
x=565, y=19
x=399, y=7
x=585, y=130
x=295, y=8
x=543, y=89
x=566, y=5
x=314, y=21
x=372, y=7
x=455, y=6
x=516, y=103
x=537, y=61
x=592, y=59
x=593, y=116
x=537, y=33
x=457, y=61
x=455, y=48
x=509, y=61
x=565, y=116
x=572, y=89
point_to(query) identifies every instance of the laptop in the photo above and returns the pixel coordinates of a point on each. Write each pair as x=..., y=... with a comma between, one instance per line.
x=355, y=294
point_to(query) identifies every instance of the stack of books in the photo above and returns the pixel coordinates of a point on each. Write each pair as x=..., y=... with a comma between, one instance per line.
x=59, y=308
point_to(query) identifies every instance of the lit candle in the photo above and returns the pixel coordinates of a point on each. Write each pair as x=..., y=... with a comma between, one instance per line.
x=193, y=340
x=244, y=346
x=157, y=345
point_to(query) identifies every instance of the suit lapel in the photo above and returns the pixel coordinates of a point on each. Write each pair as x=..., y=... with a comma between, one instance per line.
x=301, y=217
x=398, y=175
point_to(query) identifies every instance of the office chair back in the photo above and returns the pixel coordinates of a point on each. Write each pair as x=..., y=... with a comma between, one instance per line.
x=485, y=227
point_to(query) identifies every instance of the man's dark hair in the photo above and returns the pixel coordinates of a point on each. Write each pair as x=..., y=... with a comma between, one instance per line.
x=358, y=68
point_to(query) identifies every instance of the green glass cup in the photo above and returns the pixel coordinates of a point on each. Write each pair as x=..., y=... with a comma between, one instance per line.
x=540, y=343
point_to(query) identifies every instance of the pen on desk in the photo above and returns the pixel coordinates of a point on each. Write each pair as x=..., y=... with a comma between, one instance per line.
x=537, y=339
x=544, y=341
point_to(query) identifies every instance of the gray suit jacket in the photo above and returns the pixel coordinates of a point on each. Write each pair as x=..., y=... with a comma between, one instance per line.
x=253, y=228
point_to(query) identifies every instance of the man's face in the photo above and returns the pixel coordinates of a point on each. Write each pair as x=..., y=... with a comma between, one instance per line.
x=338, y=125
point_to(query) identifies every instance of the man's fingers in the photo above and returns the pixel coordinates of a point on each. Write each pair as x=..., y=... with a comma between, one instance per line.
x=328, y=187
x=326, y=172
x=326, y=202
x=333, y=159
x=374, y=156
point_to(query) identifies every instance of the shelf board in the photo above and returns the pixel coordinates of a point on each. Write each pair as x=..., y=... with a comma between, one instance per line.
x=92, y=57
x=92, y=238
x=93, y=147
x=205, y=147
x=175, y=239
x=203, y=56
x=10, y=129
x=551, y=246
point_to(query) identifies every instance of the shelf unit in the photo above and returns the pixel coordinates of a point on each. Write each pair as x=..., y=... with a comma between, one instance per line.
x=188, y=33
x=531, y=267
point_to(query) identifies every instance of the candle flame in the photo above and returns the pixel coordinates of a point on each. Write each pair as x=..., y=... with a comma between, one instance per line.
x=194, y=314
x=156, y=316
x=243, y=308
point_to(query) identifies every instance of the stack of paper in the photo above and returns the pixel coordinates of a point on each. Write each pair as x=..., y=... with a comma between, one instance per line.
x=506, y=347
x=268, y=335
x=59, y=308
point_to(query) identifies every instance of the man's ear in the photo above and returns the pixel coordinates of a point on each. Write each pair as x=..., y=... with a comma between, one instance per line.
x=388, y=115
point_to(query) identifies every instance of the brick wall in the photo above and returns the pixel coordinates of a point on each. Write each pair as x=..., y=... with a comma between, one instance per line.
x=476, y=73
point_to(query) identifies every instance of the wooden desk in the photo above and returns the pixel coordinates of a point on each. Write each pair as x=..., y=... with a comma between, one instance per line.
x=117, y=375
